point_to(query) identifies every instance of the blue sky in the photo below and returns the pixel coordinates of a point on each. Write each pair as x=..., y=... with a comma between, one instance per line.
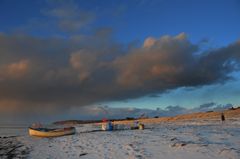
x=95, y=42
x=217, y=20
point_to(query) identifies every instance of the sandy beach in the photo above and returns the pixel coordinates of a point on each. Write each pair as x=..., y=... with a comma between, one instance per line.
x=195, y=138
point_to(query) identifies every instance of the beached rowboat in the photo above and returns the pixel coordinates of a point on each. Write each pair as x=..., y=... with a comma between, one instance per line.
x=45, y=132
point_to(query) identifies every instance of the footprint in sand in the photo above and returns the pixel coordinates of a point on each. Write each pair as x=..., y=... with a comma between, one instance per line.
x=82, y=154
x=179, y=144
x=173, y=139
x=229, y=152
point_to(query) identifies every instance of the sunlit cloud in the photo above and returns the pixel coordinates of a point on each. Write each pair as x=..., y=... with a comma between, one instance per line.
x=64, y=73
x=15, y=70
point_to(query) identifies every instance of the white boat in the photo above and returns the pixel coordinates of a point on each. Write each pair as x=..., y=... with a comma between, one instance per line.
x=45, y=132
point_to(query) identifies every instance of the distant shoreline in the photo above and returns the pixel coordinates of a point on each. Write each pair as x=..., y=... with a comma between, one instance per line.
x=14, y=127
x=230, y=113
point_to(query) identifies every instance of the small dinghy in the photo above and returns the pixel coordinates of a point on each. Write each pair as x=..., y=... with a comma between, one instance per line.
x=46, y=132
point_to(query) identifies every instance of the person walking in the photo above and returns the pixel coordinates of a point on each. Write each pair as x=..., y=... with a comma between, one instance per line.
x=222, y=117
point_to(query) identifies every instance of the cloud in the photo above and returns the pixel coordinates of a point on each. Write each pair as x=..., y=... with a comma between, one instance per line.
x=100, y=112
x=14, y=70
x=54, y=74
x=171, y=62
x=207, y=105
x=67, y=15
x=84, y=62
x=149, y=42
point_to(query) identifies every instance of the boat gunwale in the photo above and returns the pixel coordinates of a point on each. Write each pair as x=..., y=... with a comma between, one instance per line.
x=64, y=131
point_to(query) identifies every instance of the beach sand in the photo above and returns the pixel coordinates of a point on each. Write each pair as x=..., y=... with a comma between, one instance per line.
x=183, y=139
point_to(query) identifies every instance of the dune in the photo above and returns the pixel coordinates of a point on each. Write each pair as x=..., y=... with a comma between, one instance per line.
x=229, y=114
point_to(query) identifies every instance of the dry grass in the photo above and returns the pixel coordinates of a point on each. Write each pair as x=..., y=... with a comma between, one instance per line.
x=229, y=114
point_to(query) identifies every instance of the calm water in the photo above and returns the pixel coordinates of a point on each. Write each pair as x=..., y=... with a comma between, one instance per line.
x=13, y=130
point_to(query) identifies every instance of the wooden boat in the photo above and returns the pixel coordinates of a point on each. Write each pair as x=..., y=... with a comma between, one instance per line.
x=45, y=132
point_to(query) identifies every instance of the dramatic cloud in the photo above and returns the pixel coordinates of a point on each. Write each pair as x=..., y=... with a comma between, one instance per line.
x=54, y=74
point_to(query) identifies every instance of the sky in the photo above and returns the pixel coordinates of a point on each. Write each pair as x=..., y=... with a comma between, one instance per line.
x=64, y=59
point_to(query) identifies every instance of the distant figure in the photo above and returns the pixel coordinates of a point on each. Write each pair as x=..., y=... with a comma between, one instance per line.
x=141, y=126
x=136, y=123
x=107, y=125
x=222, y=117
x=104, y=124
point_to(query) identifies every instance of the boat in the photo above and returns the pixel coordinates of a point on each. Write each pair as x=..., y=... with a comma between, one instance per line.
x=46, y=132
